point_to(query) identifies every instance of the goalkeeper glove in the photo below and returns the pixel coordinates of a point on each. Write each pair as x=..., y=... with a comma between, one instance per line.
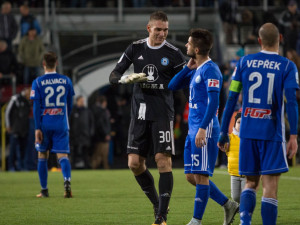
x=133, y=78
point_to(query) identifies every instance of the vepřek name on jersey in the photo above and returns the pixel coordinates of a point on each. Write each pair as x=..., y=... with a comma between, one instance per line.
x=263, y=64
x=54, y=81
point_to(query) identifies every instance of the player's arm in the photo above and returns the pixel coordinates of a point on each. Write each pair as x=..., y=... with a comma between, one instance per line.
x=234, y=91
x=181, y=79
x=210, y=112
x=37, y=120
x=292, y=112
x=122, y=65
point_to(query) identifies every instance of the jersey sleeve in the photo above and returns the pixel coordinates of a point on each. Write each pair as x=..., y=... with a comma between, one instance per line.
x=35, y=92
x=123, y=64
x=179, y=62
x=213, y=79
x=292, y=78
x=236, y=82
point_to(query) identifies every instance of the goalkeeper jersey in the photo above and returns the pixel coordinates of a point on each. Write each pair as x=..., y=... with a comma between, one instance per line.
x=262, y=77
x=151, y=100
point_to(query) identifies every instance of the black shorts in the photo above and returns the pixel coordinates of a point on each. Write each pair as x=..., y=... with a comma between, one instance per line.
x=145, y=136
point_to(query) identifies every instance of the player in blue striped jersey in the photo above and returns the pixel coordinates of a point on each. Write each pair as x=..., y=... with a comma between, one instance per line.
x=204, y=80
x=52, y=103
x=264, y=78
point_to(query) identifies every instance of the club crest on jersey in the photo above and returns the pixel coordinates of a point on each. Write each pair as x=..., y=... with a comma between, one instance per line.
x=213, y=83
x=258, y=113
x=198, y=79
x=164, y=61
x=151, y=71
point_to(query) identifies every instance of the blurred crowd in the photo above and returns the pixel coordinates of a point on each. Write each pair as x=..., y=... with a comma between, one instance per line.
x=98, y=125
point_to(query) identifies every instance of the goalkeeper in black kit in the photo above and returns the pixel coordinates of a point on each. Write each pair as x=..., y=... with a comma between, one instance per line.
x=155, y=62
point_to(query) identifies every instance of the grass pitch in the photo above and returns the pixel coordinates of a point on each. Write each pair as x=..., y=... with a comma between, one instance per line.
x=112, y=197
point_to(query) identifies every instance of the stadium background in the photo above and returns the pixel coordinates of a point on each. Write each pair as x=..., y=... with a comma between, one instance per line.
x=89, y=41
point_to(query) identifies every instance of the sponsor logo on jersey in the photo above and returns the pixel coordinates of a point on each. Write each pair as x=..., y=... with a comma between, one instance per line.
x=152, y=86
x=141, y=58
x=213, y=83
x=53, y=111
x=32, y=93
x=257, y=113
x=198, y=79
x=151, y=71
x=164, y=61
x=193, y=106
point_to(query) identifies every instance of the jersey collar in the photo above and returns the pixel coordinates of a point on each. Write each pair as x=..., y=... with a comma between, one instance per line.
x=155, y=47
x=268, y=52
x=209, y=59
x=50, y=73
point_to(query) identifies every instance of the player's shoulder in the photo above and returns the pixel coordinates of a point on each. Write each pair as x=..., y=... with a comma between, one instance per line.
x=211, y=66
x=139, y=42
x=170, y=46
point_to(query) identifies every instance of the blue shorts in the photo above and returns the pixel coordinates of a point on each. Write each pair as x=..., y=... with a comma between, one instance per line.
x=261, y=157
x=200, y=160
x=57, y=141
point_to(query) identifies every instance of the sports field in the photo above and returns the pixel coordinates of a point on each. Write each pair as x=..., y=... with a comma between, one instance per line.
x=113, y=197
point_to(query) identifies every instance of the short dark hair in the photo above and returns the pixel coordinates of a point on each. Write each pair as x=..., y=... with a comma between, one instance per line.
x=237, y=116
x=202, y=39
x=269, y=34
x=50, y=59
x=159, y=15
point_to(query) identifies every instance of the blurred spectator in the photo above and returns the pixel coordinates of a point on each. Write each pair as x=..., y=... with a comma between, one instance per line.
x=17, y=125
x=248, y=27
x=102, y=133
x=28, y=21
x=81, y=132
x=139, y=3
x=8, y=61
x=8, y=25
x=161, y=3
x=31, y=50
x=289, y=26
x=78, y=3
x=30, y=157
x=228, y=11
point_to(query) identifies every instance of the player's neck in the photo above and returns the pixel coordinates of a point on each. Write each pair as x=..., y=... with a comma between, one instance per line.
x=50, y=70
x=270, y=49
x=201, y=59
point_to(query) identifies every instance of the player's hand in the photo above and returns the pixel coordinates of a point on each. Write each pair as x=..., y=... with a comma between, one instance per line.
x=192, y=64
x=200, y=139
x=133, y=78
x=38, y=136
x=292, y=146
x=223, y=142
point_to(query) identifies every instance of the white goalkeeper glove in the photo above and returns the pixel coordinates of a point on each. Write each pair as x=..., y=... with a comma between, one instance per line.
x=133, y=78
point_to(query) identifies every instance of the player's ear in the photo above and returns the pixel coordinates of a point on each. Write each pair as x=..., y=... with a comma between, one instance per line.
x=280, y=38
x=148, y=27
x=259, y=40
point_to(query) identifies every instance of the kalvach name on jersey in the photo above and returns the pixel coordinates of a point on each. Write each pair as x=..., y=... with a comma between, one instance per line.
x=263, y=76
x=152, y=100
x=53, y=91
x=206, y=78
